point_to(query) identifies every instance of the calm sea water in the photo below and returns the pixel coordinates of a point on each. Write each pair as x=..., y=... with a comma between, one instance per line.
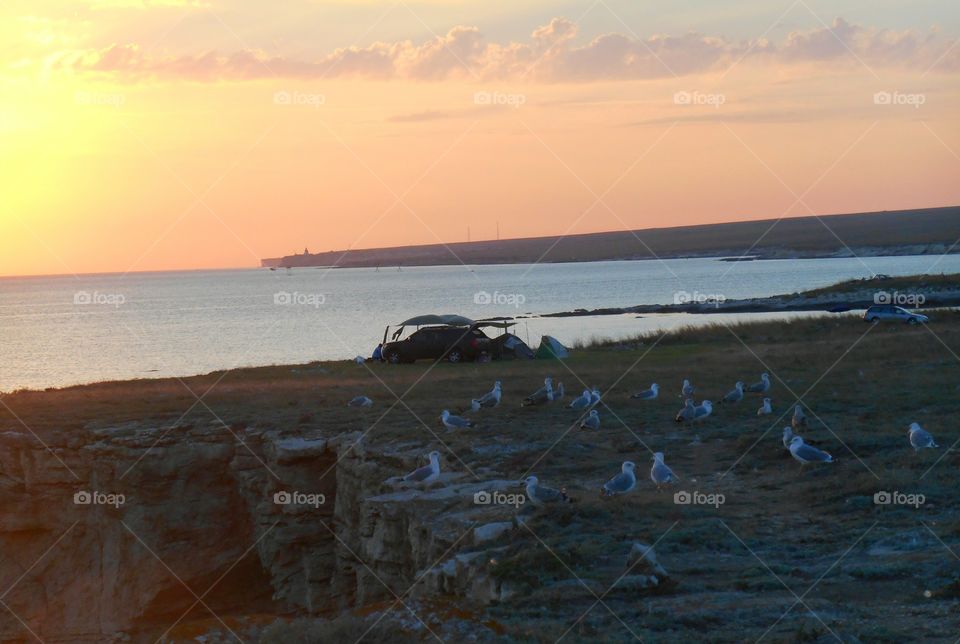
x=57, y=331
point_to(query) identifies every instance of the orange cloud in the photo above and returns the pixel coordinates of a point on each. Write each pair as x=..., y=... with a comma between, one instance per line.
x=549, y=56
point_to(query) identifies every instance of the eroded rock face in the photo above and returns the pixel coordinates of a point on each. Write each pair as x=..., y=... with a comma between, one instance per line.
x=267, y=523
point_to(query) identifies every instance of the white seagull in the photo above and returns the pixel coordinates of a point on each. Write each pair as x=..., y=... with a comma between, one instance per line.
x=582, y=401
x=660, y=473
x=557, y=393
x=454, y=422
x=808, y=453
x=687, y=389
x=688, y=412
x=594, y=397
x=427, y=473
x=360, y=401
x=703, y=410
x=765, y=408
x=648, y=394
x=735, y=395
x=920, y=438
x=761, y=387
x=541, y=495
x=491, y=398
x=622, y=483
x=541, y=395
x=787, y=437
x=592, y=421
x=799, y=418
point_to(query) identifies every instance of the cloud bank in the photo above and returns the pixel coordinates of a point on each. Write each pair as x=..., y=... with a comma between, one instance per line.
x=550, y=55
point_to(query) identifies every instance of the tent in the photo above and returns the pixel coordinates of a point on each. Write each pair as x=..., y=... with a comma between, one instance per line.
x=550, y=347
x=509, y=346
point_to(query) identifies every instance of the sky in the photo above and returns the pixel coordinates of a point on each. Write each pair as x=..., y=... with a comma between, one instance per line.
x=185, y=134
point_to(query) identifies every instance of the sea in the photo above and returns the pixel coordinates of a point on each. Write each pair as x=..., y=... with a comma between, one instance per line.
x=67, y=330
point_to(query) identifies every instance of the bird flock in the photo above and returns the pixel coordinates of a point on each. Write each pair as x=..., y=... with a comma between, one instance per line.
x=625, y=481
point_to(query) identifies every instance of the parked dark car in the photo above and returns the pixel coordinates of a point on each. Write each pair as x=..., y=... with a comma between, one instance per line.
x=452, y=343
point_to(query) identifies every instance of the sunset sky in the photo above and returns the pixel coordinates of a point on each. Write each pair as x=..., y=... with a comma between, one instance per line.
x=172, y=134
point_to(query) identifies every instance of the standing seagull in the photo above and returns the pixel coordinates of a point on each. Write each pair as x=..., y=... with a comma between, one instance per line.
x=787, y=437
x=360, y=401
x=808, y=453
x=920, y=438
x=541, y=495
x=592, y=421
x=688, y=389
x=427, y=473
x=702, y=410
x=594, y=397
x=491, y=398
x=765, y=408
x=660, y=473
x=582, y=401
x=622, y=483
x=454, y=422
x=688, y=412
x=541, y=395
x=799, y=418
x=648, y=394
x=735, y=395
x=761, y=387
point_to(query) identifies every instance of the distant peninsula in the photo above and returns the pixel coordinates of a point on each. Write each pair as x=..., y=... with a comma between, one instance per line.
x=931, y=231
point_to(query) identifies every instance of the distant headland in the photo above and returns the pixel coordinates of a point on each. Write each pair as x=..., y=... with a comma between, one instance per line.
x=932, y=231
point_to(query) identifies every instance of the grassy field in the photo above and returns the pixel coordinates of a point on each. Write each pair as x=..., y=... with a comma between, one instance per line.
x=791, y=555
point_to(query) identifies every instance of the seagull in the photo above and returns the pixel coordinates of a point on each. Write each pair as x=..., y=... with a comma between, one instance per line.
x=702, y=410
x=489, y=399
x=920, y=438
x=622, y=483
x=541, y=495
x=735, y=395
x=799, y=418
x=427, y=473
x=687, y=413
x=765, y=408
x=761, y=387
x=688, y=389
x=541, y=395
x=454, y=422
x=660, y=473
x=359, y=360
x=360, y=401
x=557, y=393
x=592, y=421
x=582, y=401
x=787, y=437
x=808, y=453
x=594, y=397
x=648, y=394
